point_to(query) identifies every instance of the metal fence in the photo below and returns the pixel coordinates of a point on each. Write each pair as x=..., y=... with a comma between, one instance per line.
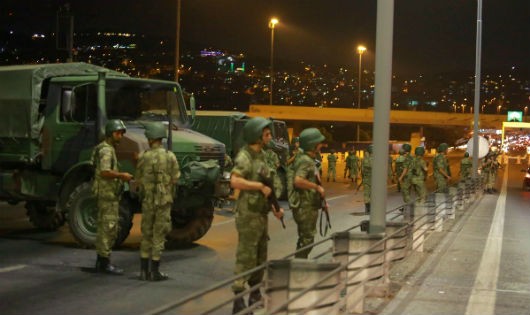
x=347, y=266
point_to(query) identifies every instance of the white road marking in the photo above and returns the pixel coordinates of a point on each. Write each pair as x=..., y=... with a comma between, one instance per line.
x=484, y=293
x=12, y=268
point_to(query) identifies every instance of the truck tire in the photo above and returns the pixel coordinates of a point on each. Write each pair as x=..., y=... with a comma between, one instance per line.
x=82, y=217
x=44, y=216
x=191, y=226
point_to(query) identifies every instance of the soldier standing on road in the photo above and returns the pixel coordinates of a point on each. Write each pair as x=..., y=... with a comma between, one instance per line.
x=367, y=178
x=307, y=190
x=332, y=165
x=346, y=165
x=489, y=168
x=251, y=208
x=107, y=187
x=273, y=161
x=465, y=167
x=353, y=165
x=442, y=173
x=157, y=174
x=406, y=175
x=419, y=172
x=399, y=167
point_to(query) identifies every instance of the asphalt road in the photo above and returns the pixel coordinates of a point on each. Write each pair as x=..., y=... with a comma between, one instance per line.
x=47, y=273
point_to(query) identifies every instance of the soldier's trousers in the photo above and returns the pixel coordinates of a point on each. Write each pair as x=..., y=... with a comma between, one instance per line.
x=405, y=190
x=332, y=173
x=306, y=221
x=441, y=183
x=418, y=184
x=367, y=190
x=156, y=223
x=491, y=177
x=251, y=248
x=107, y=225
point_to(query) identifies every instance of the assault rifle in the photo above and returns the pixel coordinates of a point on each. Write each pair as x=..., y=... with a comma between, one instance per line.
x=273, y=201
x=324, y=207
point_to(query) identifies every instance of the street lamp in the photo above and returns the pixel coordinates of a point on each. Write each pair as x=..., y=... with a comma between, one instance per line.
x=272, y=24
x=360, y=49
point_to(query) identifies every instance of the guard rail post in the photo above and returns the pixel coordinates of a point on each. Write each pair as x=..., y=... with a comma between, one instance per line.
x=439, y=211
x=422, y=224
x=450, y=203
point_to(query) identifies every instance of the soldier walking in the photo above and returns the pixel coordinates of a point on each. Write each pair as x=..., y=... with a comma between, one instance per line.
x=406, y=175
x=465, y=167
x=489, y=168
x=157, y=174
x=251, y=208
x=353, y=165
x=367, y=178
x=442, y=173
x=332, y=164
x=419, y=172
x=307, y=190
x=108, y=187
x=399, y=167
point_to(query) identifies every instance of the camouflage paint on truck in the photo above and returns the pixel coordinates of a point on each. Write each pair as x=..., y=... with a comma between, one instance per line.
x=54, y=115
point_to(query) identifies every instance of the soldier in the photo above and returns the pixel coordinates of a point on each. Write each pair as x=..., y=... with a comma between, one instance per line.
x=367, y=178
x=489, y=168
x=419, y=172
x=346, y=165
x=465, y=167
x=251, y=208
x=406, y=176
x=390, y=175
x=353, y=165
x=399, y=167
x=295, y=149
x=308, y=190
x=442, y=173
x=332, y=164
x=273, y=161
x=108, y=187
x=157, y=174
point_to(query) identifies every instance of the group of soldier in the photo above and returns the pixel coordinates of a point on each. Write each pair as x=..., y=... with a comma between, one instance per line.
x=156, y=175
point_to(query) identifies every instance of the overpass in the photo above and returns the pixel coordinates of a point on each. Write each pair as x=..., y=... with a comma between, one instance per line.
x=420, y=118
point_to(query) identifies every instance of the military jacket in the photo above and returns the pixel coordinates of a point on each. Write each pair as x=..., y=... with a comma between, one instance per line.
x=418, y=168
x=408, y=164
x=440, y=162
x=272, y=160
x=305, y=167
x=352, y=161
x=465, y=166
x=252, y=165
x=104, y=159
x=332, y=159
x=157, y=173
x=399, y=164
x=367, y=169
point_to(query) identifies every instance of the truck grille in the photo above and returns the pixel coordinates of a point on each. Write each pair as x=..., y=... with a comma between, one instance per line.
x=211, y=152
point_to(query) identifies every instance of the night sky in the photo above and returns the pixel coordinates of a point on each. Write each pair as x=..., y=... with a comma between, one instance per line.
x=430, y=36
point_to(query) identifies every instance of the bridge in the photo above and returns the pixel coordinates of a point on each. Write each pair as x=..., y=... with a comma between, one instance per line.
x=420, y=118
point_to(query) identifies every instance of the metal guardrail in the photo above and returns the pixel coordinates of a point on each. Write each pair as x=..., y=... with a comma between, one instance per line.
x=414, y=227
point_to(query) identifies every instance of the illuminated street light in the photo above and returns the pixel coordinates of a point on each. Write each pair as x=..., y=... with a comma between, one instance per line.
x=272, y=24
x=499, y=109
x=360, y=50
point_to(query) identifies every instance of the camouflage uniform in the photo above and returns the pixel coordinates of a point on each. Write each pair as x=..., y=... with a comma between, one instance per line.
x=352, y=161
x=332, y=164
x=157, y=173
x=489, y=168
x=251, y=218
x=440, y=162
x=273, y=161
x=367, y=179
x=108, y=194
x=465, y=167
x=305, y=214
x=418, y=176
x=399, y=167
x=406, y=181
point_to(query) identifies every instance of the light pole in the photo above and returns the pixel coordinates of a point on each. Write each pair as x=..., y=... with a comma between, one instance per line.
x=272, y=24
x=360, y=49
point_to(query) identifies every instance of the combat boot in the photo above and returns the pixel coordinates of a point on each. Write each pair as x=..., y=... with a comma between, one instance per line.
x=156, y=275
x=255, y=297
x=367, y=208
x=103, y=265
x=144, y=269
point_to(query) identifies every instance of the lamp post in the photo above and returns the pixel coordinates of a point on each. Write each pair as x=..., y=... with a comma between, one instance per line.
x=272, y=24
x=360, y=49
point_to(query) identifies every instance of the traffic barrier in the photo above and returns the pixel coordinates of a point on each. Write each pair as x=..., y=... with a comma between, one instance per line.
x=450, y=204
x=397, y=241
x=460, y=201
x=422, y=223
x=364, y=260
x=288, y=279
x=439, y=211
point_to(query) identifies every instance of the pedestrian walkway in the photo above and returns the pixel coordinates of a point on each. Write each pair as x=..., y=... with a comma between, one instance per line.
x=482, y=267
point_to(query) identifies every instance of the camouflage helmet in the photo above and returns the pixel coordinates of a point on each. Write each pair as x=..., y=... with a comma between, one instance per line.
x=466, y=154
x=296, y=139
x=401, y=151
x=309, y=138
x=370, y=148
x=114, y=125
x=419, y=151
x=253, y=129
x=155, y=130
x=406, y=147
x=442, y=147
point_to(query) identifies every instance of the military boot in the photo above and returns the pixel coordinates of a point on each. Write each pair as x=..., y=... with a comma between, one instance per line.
x=156, y=275
x=367, y=208
x=239, y=305
x=103, y=265
x=144, y=269
x=255, y=297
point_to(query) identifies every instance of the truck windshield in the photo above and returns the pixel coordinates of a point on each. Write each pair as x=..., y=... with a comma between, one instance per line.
x=144, y=100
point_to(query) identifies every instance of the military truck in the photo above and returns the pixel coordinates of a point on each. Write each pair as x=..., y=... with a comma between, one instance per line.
x=52, y=117
x=226, y=127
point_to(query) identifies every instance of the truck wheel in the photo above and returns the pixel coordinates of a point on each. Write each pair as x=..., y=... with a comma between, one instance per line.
x=83, y=213
x=190, y=225
x=44, y=216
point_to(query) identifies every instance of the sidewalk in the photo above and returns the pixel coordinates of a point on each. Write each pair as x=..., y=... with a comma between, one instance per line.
x=470, y=271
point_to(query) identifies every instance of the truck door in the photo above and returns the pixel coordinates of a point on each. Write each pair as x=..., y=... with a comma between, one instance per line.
x=70, y=129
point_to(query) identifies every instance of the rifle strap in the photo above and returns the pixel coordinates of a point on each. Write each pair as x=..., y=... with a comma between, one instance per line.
x=327, y=226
